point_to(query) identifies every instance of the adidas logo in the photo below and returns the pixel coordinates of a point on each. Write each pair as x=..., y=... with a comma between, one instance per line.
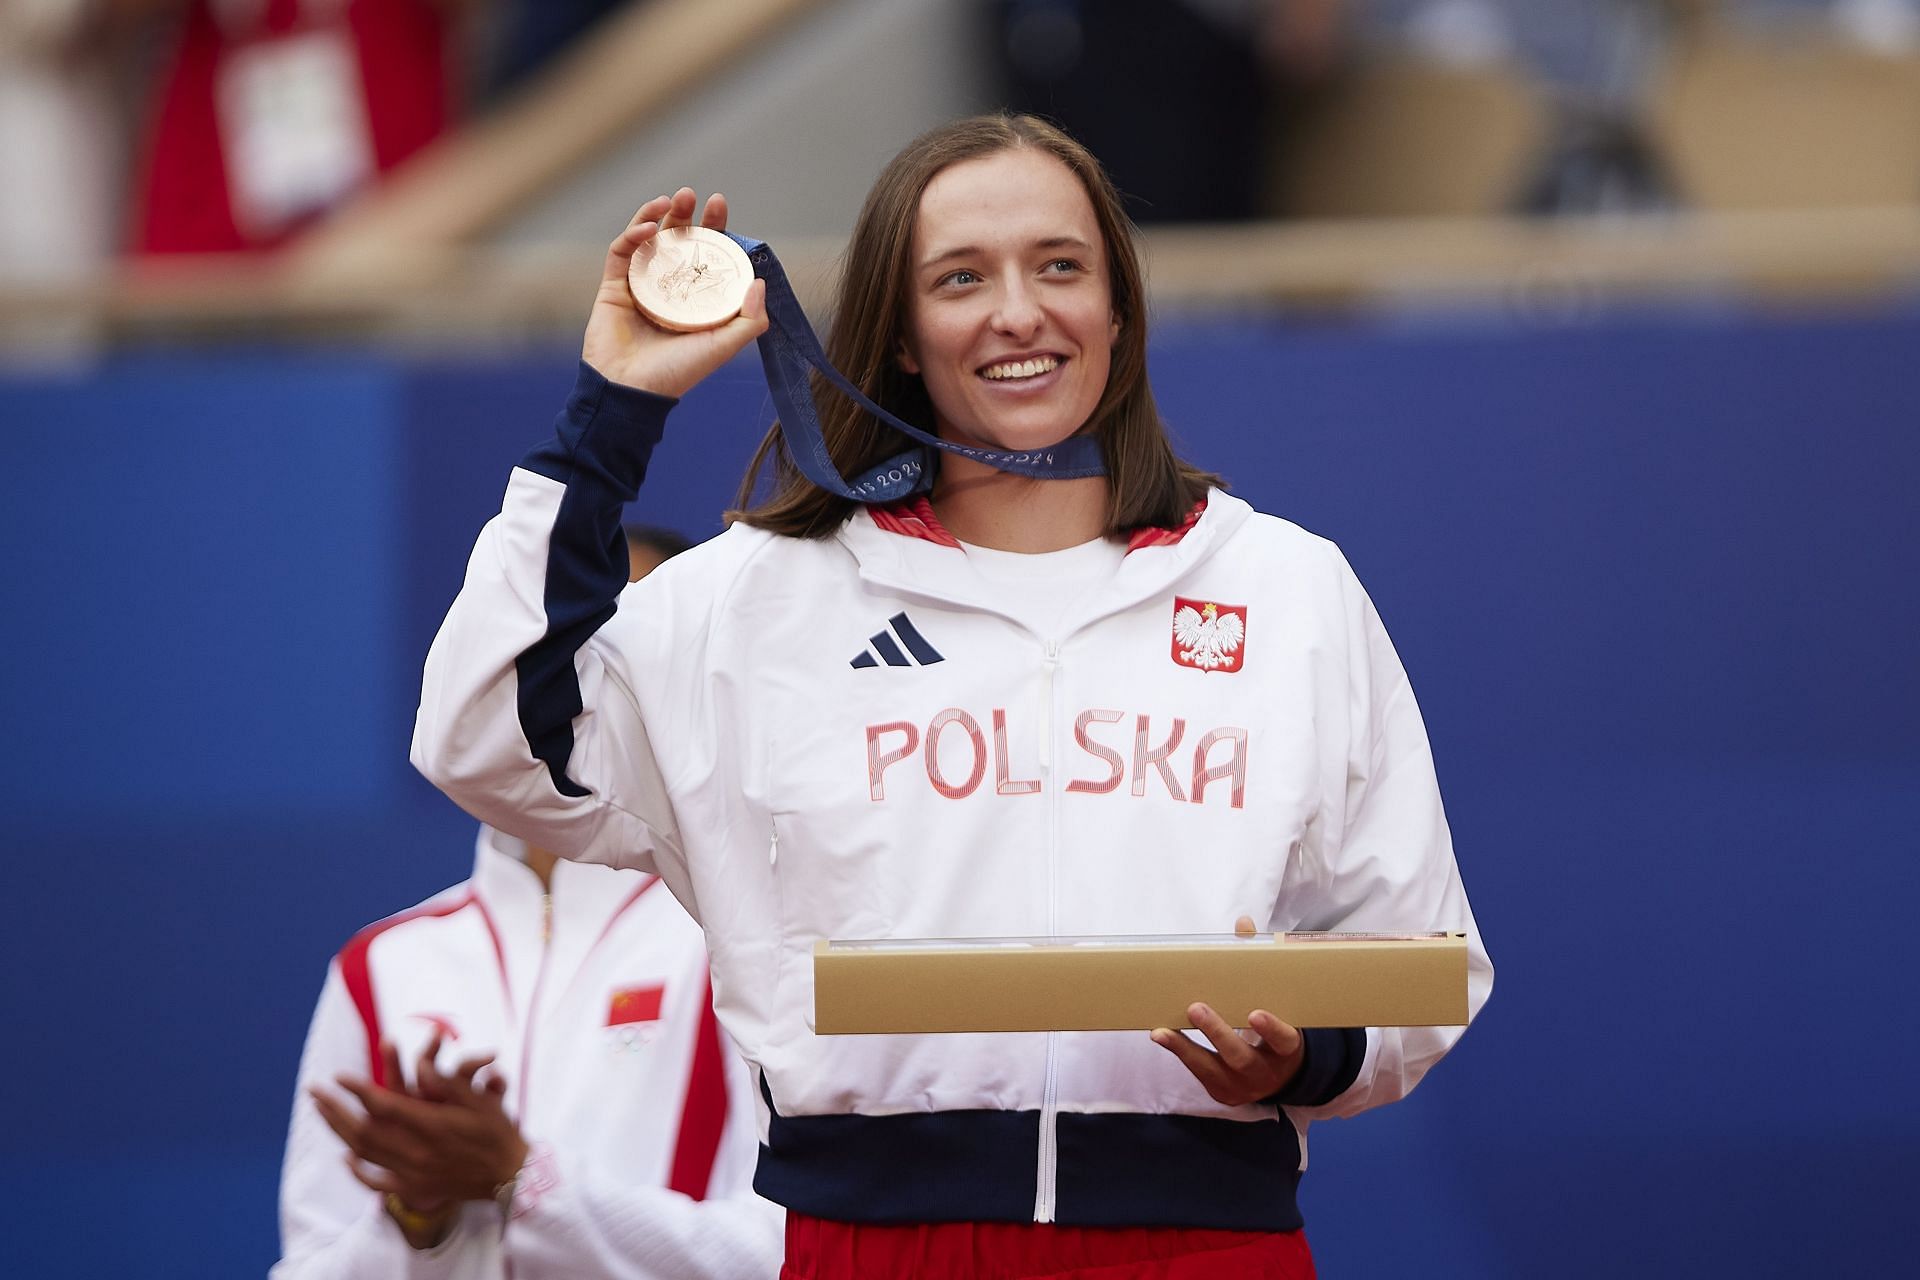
x=887, y=644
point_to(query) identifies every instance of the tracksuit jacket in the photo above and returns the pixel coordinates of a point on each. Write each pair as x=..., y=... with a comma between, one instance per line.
x=850, y=737
x=593, y=998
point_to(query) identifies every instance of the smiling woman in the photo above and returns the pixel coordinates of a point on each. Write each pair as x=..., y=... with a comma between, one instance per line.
x=731, y=724
x=1010, y=323
x=987, y=240
x=1012, y=328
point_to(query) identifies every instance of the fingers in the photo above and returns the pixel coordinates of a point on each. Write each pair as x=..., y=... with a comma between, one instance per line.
x=644, y=227
x=389, y=1107
x=381, y=1143
x=471, y=1067
x=427, y=1080
x=1235, y=1053
x=653, y=210
x=384, y=1182
x=1237, y=1069
x=1204, y=1066
x=657, y=215
x=493, y=1095
x=485, y=1098
x=1282, y=1038
x=679, y=209
x=1244, y=927
x=372, y=1176
x=345, y=1125
x=396, y=1076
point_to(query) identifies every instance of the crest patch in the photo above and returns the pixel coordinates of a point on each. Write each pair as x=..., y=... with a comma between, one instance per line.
x=1208, y=635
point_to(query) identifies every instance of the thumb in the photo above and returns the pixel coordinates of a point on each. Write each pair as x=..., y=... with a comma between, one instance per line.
x=730, y=339
x=752, y=320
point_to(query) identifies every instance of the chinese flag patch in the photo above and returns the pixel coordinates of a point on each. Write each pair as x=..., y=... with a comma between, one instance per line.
x=634, y=1004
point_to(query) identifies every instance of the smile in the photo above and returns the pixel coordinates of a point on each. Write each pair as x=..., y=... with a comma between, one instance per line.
x=1012, y=370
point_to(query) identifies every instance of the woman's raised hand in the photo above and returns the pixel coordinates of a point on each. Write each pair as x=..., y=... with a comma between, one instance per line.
x=624, y=347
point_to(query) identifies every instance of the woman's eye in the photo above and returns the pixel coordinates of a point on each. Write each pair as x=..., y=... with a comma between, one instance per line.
x=1063, y=266
x=959, y=277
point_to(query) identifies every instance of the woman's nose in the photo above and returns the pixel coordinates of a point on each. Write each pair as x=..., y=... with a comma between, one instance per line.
x=1017, y=311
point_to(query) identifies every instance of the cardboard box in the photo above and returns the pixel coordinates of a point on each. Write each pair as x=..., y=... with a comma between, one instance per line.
x=1138, y=983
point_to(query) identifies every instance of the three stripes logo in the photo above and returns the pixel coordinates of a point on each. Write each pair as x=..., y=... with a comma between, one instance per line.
x=898, y=644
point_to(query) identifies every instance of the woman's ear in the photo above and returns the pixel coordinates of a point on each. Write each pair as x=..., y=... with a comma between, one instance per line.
x=904, y=358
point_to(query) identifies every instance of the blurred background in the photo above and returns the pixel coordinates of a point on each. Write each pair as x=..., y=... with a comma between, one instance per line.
x=1587, y=327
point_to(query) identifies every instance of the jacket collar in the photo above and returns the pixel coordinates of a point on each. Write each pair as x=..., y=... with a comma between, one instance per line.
x=584, y=899
x=905, y=549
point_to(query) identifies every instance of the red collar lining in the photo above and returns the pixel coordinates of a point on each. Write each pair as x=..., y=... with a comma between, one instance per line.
x=914, y=518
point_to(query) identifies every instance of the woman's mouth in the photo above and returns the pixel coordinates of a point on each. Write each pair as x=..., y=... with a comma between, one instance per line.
x=1023, y=370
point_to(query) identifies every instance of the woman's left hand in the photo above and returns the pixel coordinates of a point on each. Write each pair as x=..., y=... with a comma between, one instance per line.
x=1241, y=1067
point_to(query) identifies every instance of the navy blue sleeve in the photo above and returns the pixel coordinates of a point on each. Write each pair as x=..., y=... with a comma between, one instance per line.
x=606, y=432
x=1332, y=1062
x=599, y=450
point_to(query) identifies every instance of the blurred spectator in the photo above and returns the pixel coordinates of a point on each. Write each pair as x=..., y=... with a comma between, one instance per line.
x=1883, y=26
x=1601, y=158
x=268, y=113
x=526, y=33
x=61, y=146
x=1176, y=97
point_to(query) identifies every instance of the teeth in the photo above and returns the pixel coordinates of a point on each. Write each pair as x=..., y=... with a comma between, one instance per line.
x=1021, y=368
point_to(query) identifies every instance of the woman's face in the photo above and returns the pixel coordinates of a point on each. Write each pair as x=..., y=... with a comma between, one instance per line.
x=1010, y=322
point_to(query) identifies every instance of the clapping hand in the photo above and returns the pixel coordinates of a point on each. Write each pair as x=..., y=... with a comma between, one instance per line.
x=444, y=1140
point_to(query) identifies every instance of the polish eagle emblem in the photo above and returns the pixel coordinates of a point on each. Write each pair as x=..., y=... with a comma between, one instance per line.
x=1208, y=635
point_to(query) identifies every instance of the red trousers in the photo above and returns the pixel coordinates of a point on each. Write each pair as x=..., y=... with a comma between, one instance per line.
x=818, y=1249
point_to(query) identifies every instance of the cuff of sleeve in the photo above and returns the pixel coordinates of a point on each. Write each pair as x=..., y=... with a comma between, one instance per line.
x=606, y=428
x=1332, y=1062
x=620, y=404
x=538, y=1179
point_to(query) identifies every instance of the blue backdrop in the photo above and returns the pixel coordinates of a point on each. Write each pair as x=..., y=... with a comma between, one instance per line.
x=1653, y=575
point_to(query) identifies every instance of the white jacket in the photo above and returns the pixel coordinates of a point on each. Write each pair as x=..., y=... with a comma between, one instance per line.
x=595, y=1000
x=847, y=738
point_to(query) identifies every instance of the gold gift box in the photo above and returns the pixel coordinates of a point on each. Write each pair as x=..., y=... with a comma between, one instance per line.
x=1137, y=983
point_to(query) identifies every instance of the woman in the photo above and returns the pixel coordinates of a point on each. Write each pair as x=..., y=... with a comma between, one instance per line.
x=980, y=712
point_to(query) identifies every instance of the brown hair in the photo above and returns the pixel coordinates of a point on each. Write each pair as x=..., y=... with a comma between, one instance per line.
x=1148, y=484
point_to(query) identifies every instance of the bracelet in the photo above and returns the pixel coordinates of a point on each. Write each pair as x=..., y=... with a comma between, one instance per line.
x=411, y=1220
x=414, y=1224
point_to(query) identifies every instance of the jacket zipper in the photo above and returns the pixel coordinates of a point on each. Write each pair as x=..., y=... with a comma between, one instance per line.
x=533, y=1004
x=526, y=1036
x=1048, y=1164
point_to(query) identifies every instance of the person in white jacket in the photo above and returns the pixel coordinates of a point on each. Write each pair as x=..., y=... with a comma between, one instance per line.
x=573, y=1108
x=1104, y=699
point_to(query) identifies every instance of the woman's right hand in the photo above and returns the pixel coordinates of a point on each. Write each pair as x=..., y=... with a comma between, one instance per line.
x=623, y=346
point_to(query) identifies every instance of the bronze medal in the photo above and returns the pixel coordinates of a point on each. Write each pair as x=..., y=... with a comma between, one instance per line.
x=689, y=278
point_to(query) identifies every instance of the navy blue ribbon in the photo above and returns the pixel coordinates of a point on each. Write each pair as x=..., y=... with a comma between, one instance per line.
x=789, y=350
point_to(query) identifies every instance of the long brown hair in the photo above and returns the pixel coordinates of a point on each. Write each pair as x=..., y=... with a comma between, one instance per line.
x=1148, y=484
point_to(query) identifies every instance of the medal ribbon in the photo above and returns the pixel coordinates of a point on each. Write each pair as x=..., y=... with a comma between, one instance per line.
x=789, y=349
